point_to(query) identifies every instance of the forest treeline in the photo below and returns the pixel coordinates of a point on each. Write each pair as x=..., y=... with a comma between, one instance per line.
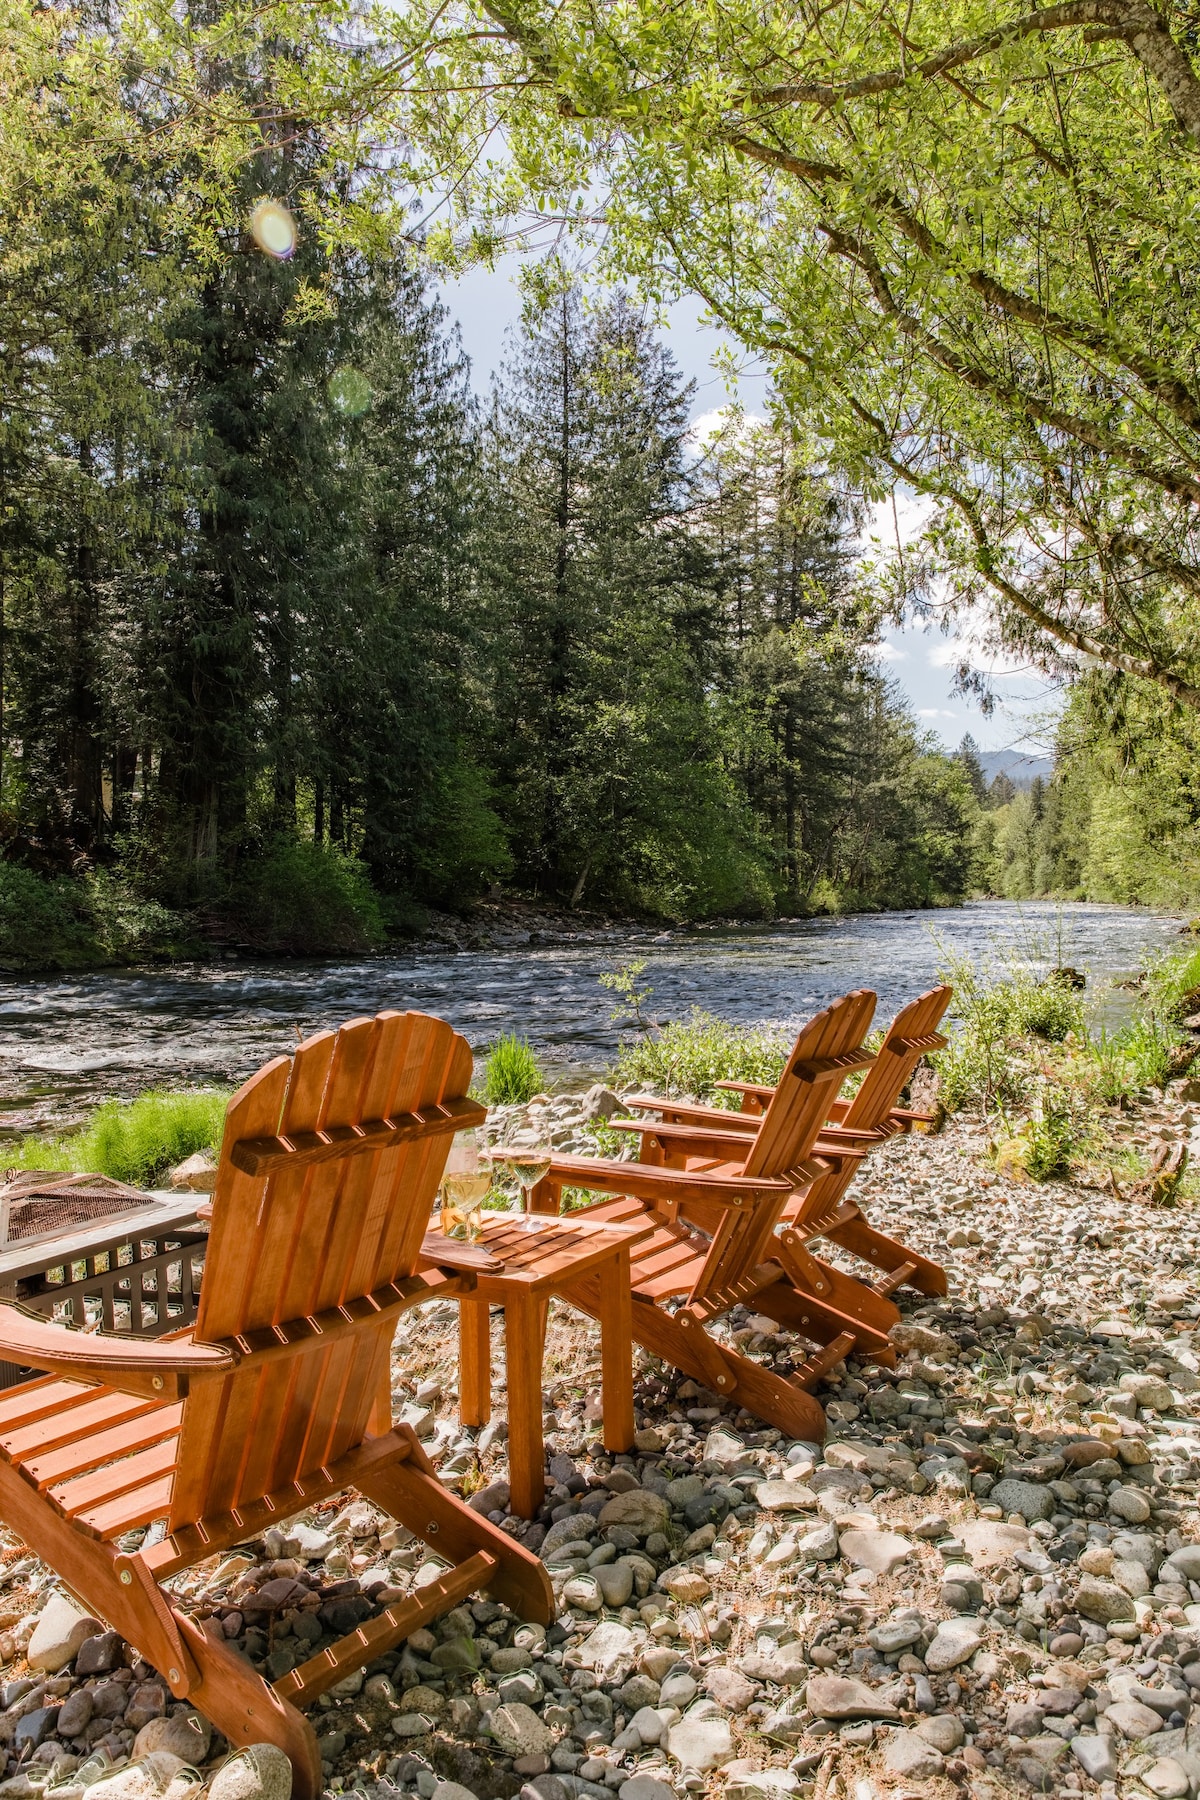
x=1118, y=820
x=299, y=638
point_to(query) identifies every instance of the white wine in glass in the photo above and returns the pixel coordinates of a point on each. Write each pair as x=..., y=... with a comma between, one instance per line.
x=529, y=1166
x=465, y=1184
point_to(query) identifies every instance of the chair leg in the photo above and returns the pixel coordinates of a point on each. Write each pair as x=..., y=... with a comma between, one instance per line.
x=854, y=1303
x=885, y=1254
x=524, y=1342
x=616, y=1360
x=410, y=1492
x=474, y=1362
x=243, y=1706
x=781, y=1403
x=796, y=1310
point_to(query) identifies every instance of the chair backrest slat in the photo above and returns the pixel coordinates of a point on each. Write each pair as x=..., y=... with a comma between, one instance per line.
x=786, y=1136
x=801, y=1102
x=307, y=1238
x=898, y=1057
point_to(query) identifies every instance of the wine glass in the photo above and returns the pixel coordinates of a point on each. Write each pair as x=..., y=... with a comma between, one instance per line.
x=466, y=1180
x=529, y=1164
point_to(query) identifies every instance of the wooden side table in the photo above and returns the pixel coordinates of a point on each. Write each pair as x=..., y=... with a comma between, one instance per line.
x=534, y=1263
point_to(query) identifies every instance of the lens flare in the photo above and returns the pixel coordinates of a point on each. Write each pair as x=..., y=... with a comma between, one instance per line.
x=273, y=229
x=350, y=391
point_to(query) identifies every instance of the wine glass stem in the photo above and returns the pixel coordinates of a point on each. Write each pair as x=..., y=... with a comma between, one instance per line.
x=527, y=1202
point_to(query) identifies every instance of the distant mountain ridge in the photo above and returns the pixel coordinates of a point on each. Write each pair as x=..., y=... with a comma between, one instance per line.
x=1021, y=770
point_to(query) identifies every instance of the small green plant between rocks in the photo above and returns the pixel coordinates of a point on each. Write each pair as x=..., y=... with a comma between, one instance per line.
x=512, y=1074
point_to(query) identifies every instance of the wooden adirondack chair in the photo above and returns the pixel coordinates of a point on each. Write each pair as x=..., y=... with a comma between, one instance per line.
x=714, y=1246
x=279, y=1395
x=869, y=1117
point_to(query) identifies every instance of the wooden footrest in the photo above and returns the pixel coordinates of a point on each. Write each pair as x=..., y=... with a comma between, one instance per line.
x=810, y=1372
x=895, y=1278
x=378, y=1635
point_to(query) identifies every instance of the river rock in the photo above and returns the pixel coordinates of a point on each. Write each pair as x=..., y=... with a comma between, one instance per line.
x=730, y=1688
x=784, y=1496
x=260, y=1772
x=1103, y=1602
x=786, y=1667
x=911, y=1758
x=452, y=1790
x=1132, y=1719
x=1168, y=1779
x=879, y=1551
x=1096, y=1756
x=639, y=1509
x=1149, y=1391
x=615, y=1581
x=1029, y=1498
x=519, y=1732
x=987, y=1542
x=701, y=1744
x=840, y=1697
x=155, y=1775
x=954, y=1641
x=61, y=1629
x=1129, y=1503
x=818, y=1545
x=185, y=1735
x=195, y=1175
x=943, y=1731
x=685, y=1585
x=896, y=1632
x=607, y=1646
x=645, y=1787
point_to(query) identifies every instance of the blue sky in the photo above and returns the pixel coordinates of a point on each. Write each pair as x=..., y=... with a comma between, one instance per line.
x=918, y=658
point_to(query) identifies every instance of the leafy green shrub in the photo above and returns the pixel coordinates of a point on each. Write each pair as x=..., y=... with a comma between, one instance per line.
x=43, y=923
x=512, y=1074
x=1173, y=984
x=1148, y=1048
x=128, y=925
x=302, y=899
x=691, y=1055
x=135, y=1141
x=1048, y=1009
x=1055, y=1132
x=1052, y=1137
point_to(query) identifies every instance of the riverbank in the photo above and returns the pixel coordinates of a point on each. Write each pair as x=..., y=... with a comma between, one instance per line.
x=303, y=905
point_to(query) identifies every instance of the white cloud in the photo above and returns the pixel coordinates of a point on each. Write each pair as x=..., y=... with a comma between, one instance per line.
x=904, y=518
x=936, y=712
x=887, y=653
x=708, y=424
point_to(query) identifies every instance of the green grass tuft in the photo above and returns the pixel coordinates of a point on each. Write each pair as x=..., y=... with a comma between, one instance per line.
x=134, y=1141
x=512, y=1074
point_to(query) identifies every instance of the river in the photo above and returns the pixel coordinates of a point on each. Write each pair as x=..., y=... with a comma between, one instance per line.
x=69, y=1041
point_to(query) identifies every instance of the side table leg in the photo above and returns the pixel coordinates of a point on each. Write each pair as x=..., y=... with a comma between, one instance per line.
x=616, y=1352
x=524, y=1339
x=474, y=1362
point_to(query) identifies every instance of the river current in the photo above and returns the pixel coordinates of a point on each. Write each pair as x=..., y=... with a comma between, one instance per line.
x=71, y=1040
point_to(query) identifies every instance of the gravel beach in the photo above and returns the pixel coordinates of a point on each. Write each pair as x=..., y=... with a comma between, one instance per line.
x=985, y=1582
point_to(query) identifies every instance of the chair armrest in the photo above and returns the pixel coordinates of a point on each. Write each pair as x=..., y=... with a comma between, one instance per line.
x=752, y=1090
x=157, y=1368
x=648, y=1181
x=905, y=1118
x=685, y=1112
x=438, y=1252
x=736, y=1144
